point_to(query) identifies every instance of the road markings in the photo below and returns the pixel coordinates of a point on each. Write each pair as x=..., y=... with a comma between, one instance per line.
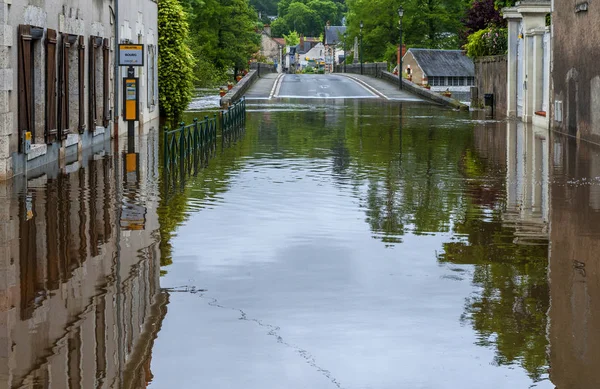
x=276, y=86
x=366, y=86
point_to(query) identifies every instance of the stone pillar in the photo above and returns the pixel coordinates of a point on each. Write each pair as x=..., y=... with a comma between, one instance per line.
x=6, y=85
x=514, y=24
x=537, y=79
x=529, y=79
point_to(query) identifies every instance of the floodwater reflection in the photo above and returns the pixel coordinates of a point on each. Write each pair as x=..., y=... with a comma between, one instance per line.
x=574, y=272
x=448, y=280
x=346, y=244
x=80, y=299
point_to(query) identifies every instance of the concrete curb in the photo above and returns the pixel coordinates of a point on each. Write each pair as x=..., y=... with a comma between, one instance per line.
x=424, y=93
x=245, y=83
x=364, y=84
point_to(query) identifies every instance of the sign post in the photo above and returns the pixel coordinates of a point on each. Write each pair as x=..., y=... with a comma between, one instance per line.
x=131, y=55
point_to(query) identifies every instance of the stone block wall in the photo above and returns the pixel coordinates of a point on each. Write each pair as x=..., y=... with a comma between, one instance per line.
x=491, y=77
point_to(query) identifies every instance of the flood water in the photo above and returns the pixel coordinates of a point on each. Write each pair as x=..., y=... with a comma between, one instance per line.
x=339, y=244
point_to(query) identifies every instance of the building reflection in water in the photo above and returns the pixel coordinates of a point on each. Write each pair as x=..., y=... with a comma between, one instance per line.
x=574, y=272
x=80, y=300
x=505, y=236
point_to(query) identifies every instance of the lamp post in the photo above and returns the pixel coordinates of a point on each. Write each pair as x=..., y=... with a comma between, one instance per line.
x=361, y=62
x=400, y=14
x=345, y=52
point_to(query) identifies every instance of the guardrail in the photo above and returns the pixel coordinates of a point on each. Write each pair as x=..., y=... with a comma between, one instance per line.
x=188, y=147
x=233, y=120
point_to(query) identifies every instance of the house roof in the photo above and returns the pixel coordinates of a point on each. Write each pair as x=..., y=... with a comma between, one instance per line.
x=280, y=41
x=334, y=34
x=444, y=62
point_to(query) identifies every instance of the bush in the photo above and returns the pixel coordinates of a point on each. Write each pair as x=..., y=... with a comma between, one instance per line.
x=489, y=41
x=175, y=60
x=308, y=70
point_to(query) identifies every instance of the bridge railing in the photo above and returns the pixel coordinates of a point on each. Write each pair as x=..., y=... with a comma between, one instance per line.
x=189, y=145
x=233, y=121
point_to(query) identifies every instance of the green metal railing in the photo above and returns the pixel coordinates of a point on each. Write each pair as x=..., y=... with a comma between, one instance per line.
x=189, y=147
x=233, y=121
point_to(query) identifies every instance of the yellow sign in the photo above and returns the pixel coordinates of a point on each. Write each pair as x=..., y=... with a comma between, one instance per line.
x=131, y=162
x=131, y=99
x=28, y=135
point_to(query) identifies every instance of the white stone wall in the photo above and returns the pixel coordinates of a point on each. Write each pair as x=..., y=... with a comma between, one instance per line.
x=137, y=23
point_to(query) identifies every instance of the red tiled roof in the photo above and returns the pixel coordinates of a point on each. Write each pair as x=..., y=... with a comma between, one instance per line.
x=281, y=41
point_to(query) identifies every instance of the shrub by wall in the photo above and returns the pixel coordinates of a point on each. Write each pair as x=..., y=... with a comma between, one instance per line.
x=175, y=60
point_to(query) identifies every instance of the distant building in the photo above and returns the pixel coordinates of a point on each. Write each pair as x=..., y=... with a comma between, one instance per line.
x=314, y=57
x=272, y=48
x=333, y=40
x=441, y=69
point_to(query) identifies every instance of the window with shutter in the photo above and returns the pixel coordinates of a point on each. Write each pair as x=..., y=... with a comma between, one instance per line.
x=51, y=124
x=92, y=90
x=63, y=87
x=81, y=78
x=25, y=80
x=106, y=82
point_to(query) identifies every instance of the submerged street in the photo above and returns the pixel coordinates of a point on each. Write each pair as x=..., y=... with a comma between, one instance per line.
x=345, y=240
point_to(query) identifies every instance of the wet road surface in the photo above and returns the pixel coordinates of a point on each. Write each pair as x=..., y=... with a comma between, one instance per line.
x=338, y=244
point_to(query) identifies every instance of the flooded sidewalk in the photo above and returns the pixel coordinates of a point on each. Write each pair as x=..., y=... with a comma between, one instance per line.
x=332, y=244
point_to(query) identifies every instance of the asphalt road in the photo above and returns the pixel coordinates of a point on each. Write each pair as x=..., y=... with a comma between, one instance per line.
x=321, y=86
x=325, y=86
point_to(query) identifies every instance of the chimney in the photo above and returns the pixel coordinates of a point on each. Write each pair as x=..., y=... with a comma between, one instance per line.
x=267, y=29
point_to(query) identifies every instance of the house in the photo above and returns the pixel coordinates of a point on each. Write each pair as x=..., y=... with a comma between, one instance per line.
x=294, y=54
x=272, y=48
x=333, y=40
x=60, y=86
x=441, y=69
x=528, y=58
x=314, y=57
x=575, y=72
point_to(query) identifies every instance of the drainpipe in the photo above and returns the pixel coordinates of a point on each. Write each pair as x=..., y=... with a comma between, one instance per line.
x=116, y=86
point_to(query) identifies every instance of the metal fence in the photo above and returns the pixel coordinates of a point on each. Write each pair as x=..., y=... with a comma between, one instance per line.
x=187, y=148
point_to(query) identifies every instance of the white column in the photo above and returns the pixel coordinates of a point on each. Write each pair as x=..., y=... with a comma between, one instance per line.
x=537, y=81
x=514, y=20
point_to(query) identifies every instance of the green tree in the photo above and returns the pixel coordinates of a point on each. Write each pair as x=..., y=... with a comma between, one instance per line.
x=175, y=60
x=426, y=23
x=224, y=32
x=292, y=39
x=307, y=17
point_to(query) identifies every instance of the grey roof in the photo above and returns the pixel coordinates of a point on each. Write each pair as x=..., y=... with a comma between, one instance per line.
x=334, y=34
x=444, y=62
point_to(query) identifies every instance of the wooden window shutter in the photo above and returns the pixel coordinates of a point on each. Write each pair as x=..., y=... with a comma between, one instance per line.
x=51, y=124
x=81, y=88
x=63, y=87
x=92, y=85
x=25, y=80
x=106, y=80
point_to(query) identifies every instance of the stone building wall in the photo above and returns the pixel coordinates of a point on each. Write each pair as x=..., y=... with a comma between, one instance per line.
x=490, y=77
x=575, y=73
x=84, y=123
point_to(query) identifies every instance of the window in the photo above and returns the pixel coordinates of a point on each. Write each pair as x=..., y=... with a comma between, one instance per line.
x=30, y=65
x=67, y=69
x=151, y=76
x=99, y=82
x=461, y=81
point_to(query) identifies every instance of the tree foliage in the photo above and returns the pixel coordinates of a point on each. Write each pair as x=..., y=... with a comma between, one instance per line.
x=308, y=17
x=175, y=60
x=223, y=33
x=426, y=24
x=292, y=39
x=489, y=41
x=482, y=14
